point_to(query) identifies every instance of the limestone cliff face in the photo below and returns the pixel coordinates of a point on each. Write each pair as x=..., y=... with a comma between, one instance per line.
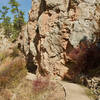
x=54, y=27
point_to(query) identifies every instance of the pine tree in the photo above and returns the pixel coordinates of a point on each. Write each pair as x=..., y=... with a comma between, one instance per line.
x=5, y=21
x=18, y=15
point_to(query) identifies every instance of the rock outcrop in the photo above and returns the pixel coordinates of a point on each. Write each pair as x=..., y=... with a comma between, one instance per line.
x=54, y=28
x=5, y=44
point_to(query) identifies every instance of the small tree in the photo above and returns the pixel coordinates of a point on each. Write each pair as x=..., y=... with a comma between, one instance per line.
x=18, y=15
x=18, y=20
x=5, y=20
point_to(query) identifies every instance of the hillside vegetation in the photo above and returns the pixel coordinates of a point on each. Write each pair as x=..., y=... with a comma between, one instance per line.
x=12, y=26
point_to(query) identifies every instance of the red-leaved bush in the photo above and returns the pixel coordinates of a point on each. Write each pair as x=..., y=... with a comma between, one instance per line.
x=86, y=56
x=42, y=84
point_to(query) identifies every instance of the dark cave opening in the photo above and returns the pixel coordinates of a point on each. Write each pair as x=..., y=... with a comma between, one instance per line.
x=31, y=67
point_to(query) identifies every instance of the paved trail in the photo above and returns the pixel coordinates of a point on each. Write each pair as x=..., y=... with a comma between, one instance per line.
x=72, y=91
x=75, y=91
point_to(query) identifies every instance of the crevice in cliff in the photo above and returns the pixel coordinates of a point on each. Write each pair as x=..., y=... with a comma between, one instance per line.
x=72, y=4
x=31, y=67
x=38, y=57
x=42, y=8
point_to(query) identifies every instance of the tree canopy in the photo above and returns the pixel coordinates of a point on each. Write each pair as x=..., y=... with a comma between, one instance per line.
x=12, y=27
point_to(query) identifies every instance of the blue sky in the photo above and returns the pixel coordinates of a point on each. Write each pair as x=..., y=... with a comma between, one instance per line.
x=25, y=5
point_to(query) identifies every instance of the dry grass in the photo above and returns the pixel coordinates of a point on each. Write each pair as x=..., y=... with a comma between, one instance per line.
x=5, y=94
x=14, y=85
x=11, y=72
x=90, y=94
x=3, y=55
x=13, y=52
x=34, y=90
x=40, y=84
x=12, y=68
x=39, y=89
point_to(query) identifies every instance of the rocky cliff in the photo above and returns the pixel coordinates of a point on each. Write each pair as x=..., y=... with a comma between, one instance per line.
x=54, y=28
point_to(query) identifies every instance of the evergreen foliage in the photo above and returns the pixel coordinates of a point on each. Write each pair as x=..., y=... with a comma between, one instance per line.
x=12, y=28
x=18, y=15
x=5, y=21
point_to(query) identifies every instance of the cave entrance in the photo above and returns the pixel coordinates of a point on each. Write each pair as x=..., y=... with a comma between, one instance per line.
x=31, y=67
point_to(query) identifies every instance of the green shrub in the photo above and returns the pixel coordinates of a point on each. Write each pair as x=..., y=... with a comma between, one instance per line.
x=15, y=35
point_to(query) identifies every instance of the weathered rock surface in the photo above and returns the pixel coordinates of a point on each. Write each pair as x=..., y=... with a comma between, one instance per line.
x=4, y=42
x=93, y=84
x=54, y=27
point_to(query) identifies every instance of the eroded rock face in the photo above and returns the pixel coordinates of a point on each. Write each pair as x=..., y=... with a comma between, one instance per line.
x=54, y=27
x=5, y=44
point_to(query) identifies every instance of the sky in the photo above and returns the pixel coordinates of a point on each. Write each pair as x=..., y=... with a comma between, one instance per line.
x=25, y=5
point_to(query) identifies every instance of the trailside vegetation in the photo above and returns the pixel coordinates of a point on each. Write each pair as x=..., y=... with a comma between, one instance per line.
x=12, y=27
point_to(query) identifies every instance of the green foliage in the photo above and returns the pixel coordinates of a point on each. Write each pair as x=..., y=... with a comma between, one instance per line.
x=15, y=35
x=0, y=25
x=4, y=11
x=14, y=4
x=5, y=20
x=18, y=15
x=7, y=26
x=12, y=29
